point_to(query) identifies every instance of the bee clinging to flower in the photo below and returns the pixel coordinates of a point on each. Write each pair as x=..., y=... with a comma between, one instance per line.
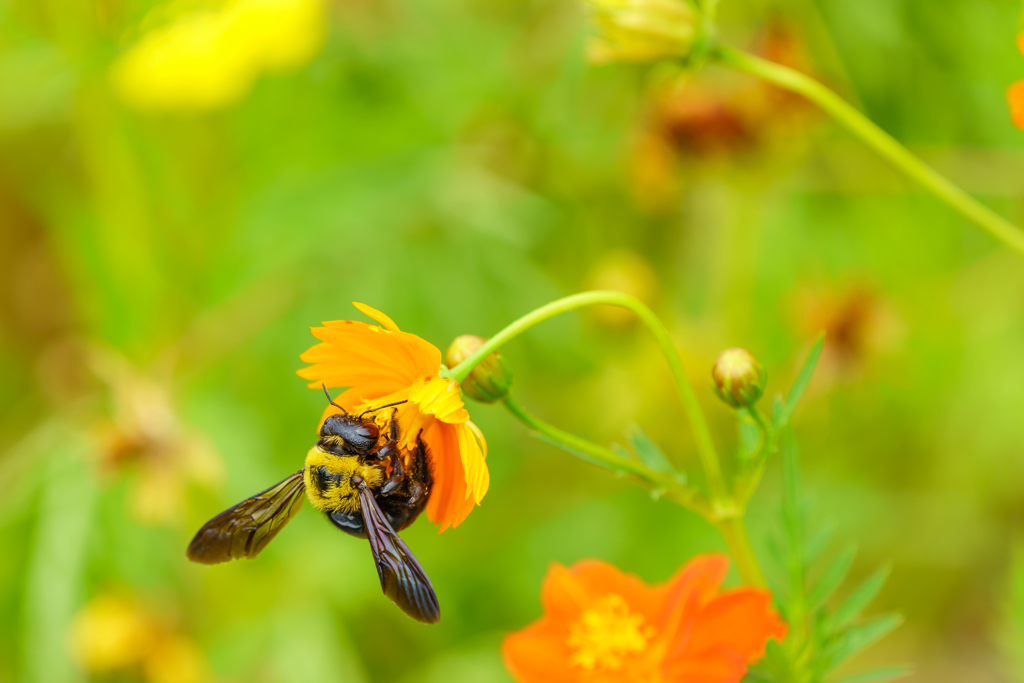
x=372, y=471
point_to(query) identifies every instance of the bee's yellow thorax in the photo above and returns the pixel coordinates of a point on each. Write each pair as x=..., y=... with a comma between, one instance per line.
x=335, y=492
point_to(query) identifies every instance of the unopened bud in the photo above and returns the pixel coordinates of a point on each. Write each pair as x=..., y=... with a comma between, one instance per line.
x=739, y=378
x=490, y=380
x=641, y=30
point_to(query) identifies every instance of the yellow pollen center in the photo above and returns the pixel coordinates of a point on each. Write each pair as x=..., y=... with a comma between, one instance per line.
x=606, y=634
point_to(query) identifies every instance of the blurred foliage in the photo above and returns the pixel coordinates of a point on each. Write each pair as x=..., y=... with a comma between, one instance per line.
x=455, y=163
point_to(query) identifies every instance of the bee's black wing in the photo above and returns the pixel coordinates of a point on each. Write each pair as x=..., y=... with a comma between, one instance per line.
x=401, y=576
x=246, y=529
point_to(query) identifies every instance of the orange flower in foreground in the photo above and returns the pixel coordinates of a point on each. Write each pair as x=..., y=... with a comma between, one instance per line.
x=603, y=626
x=1015, y=93
x=381, y=365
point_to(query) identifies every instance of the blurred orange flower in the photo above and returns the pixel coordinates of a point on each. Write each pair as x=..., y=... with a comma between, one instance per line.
x=604, y=626
x=382, y=364
x=1015, y=93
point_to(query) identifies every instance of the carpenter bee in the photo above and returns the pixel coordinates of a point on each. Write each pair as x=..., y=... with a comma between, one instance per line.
x=367, y=488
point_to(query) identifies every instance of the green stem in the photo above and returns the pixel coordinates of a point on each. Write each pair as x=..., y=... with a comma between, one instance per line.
x=736, y=540
x=792, y=516
x=593, y=452
x=731, y=527
x=748, y=480
x=666, y=484
x=702, y=434
x=879, y=140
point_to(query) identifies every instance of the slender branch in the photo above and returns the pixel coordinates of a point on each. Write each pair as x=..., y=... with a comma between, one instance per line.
x=599, y=455
x=748, y=480
x=879, y=140
x=701, y=432
x=736, y=540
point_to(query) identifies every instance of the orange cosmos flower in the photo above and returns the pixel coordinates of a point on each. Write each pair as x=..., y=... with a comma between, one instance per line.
x=380, y=365
x=1015, y=93
x=603, y=626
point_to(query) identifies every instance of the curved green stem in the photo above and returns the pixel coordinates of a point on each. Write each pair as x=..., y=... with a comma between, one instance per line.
x=879, y=140
x=730, y=525
x=702, y=434
x=591, y=452
x=736, y=540
x=746, y=483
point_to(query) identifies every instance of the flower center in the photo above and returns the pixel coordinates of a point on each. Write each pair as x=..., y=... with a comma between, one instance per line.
x=606, y=634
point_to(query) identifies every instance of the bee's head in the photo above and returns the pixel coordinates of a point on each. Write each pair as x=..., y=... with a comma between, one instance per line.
x=357, y=437
x=351, y=434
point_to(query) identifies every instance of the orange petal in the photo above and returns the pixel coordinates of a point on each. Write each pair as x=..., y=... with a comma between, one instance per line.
x=693, y=585
x=370, y=312
x=725, y=668
x=1015, y=96
x=1020, y=42
x=539, y=654
x=683, y=597
x=739, y=621
x=567, y=591
x=448, y=505
x=354, y=353
x=478, y=478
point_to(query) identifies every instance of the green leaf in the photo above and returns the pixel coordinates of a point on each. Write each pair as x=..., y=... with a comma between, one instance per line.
x=817, y=543
x=750, y=437
x=860, y=637
x=649, y=453
x=796, y=392
x=857, y=601
x=887, y=674
x=831, y=578
x=778, y=405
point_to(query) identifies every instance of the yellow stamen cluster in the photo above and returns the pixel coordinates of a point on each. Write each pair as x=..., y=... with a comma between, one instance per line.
x=606, y=634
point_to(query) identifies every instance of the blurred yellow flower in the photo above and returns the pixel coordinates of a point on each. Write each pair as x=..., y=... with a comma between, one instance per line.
x=174, y=659
x=210, y=58
x=117, y=633
x=111, y=632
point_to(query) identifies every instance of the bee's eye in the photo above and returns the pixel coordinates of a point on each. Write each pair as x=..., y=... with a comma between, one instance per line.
x=368, y=431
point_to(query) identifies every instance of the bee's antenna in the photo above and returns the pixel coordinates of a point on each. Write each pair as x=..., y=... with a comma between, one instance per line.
x=331, y=401
x=374, y=410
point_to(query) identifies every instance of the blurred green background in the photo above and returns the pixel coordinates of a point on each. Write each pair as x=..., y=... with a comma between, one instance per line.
x=455, y=163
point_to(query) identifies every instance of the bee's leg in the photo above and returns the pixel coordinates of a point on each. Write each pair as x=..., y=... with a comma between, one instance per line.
x=397, y=477
x=395, y=434
x=419, y=475
x=391, y=446
x=403, y=506
x=390, y=449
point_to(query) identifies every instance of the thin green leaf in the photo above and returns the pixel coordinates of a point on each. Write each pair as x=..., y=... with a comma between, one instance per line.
x=750, y=438
x=778, y=405
x=890, y=673
x=831, y=578
x=649, y=453
x=857, y=601
x=860, y=637
x=818, y=542
x=796, y=391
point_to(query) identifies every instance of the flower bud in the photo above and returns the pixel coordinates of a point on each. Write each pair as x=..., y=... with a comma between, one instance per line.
x=490, y=380
x=641, y=30
x=739, y=378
